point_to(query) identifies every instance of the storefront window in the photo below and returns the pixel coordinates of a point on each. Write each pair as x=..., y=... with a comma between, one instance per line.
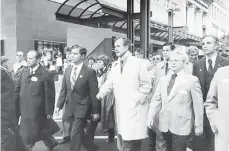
x=52, y=54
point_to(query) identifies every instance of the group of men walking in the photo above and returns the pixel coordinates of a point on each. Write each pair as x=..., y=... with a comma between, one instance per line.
x=176, y=108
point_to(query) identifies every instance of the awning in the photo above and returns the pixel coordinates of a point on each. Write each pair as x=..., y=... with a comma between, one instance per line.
x=100, y=14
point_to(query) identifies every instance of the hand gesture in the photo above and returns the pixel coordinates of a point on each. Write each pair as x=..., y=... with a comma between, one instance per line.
x=57, y=111
x=49, y=116
x=99, y=96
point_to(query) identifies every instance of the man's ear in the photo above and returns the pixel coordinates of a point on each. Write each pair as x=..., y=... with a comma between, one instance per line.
x=83, y=57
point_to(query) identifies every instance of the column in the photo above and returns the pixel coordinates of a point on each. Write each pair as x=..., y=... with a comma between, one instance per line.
x=191, y=18
x=144, y=24
x=130, y=24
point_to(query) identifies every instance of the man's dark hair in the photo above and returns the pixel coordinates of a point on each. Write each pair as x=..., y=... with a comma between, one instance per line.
x=82, y=50
x=67, y=49
x=91, y=58
x=139, y=50
x=214, y=37
x=172, y=46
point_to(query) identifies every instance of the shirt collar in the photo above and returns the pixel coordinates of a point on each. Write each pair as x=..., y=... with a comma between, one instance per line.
x=79, y=66
x=35, y=68
x=125, y=56
x=213, y=58
x=180, y=73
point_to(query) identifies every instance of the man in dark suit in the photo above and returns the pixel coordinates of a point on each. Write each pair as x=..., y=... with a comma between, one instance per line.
x=35, y=92
x=205, y=69
x=79, y=89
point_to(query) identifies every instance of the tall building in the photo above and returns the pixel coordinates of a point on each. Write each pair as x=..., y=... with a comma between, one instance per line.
x=219, y=18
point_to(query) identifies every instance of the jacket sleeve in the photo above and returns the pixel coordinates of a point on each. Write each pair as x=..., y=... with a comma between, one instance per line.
x=211, y=104
x=63, y=93
x=49, y=91
x=198, y=103
x=107, y=86
x=93, y=87
x=155, y=106
x=144, y=84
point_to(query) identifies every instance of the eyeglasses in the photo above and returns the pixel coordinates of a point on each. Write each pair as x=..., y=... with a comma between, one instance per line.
x=156, y=58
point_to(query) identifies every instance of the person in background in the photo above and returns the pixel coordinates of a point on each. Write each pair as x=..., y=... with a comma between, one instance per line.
x=10, y=137
x=220, y=51
x=205, y=69
x=193, y=53
x=178, y=102
x=59, y=62
x=130, y=82
x=35, y=92
x=216, y=107
x=91, y=61
x=20, y=62
x=139, y=53
x=5, y=62
x=107, y=112
x=161, y=69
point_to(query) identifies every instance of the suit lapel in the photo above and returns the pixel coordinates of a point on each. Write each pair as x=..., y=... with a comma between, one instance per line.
x=218, y=63
x=201, y=72
x=176, y=88
x=81, y=74
x=68, y=76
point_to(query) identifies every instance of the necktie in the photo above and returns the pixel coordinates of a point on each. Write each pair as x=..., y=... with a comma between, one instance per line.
x=166, y=68
x=73, y=77
x=121, y=65
x=171, y=83
x=210, y=67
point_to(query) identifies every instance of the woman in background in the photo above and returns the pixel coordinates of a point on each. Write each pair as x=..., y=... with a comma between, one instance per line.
x=107, y=112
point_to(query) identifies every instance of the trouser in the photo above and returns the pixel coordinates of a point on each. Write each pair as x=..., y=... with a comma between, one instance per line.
x=156, y=141
x=175, y=142
x=131, y=145
x=206, y=141
x=82, y=134
x=67, y=128
x=49, y=141
x=111, y=133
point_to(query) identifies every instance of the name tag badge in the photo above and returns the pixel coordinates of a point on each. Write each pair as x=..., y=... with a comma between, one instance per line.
x=34, y=79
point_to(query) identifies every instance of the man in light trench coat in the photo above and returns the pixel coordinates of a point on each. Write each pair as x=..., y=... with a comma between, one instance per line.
x=131, y=83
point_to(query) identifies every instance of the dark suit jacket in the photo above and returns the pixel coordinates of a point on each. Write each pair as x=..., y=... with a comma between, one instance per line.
x=81, y=100
x=199, y=70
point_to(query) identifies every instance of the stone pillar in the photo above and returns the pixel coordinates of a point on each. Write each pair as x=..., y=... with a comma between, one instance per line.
x=191, y=18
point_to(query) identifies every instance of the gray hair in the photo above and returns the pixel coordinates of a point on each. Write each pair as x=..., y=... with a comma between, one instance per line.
x=179, y=51
x=192, y=48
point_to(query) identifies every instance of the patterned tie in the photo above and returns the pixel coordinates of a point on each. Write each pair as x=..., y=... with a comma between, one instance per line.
x=73, y=77
x=171, y=83
x=121, y=65
x=210, y=68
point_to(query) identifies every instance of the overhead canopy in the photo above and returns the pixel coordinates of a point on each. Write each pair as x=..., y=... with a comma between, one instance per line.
x=100, y=14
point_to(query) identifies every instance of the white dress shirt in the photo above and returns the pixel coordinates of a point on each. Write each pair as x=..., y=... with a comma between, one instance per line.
x=79, y=66
x=213, y=58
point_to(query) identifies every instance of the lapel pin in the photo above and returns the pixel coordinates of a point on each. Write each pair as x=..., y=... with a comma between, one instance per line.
x=200, y=70
x=81, y=76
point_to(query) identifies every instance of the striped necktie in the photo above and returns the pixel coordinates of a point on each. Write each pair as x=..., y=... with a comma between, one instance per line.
x=171, y=83
x=73, y=77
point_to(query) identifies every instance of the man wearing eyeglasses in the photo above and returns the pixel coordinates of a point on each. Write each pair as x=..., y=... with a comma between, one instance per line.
x=161, y=69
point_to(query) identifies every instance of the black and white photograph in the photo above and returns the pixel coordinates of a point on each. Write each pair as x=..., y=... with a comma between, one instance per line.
x=114, y=75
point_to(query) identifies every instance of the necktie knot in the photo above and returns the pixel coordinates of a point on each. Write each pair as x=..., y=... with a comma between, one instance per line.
x=210, y=61
x=174, y=75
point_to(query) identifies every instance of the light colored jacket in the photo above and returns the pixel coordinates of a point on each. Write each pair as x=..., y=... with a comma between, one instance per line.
x=182, y=109
x=130, y=88
x=217, y=103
